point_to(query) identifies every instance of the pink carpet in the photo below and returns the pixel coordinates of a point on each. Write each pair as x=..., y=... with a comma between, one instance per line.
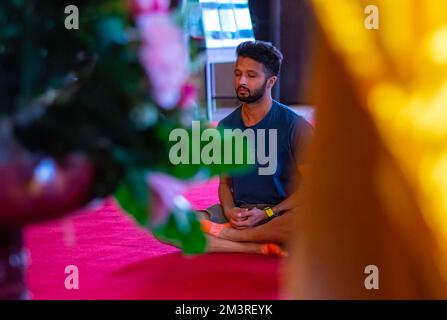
x=118, y=260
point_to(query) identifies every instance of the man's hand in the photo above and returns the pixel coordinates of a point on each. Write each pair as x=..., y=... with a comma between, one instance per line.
x=233, y=215
x=249, y=218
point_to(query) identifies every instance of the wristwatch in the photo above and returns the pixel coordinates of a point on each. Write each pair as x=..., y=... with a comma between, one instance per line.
x=269, y=212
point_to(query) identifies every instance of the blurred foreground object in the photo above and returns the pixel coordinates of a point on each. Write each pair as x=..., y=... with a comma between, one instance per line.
x=33, y=188
x=87, y=113
x=378, y=185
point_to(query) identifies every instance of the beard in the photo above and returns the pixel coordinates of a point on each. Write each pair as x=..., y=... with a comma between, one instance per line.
x=252, y=96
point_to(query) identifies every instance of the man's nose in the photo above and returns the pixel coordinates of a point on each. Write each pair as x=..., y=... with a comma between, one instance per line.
x=242, y=81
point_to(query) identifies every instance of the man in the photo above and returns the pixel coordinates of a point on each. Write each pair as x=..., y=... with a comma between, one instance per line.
x=255, y=208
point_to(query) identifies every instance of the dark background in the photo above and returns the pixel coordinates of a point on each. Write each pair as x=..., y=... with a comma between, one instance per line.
x=288, y=24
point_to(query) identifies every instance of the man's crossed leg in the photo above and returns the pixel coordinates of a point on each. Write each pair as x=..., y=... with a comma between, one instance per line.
x=266, y=238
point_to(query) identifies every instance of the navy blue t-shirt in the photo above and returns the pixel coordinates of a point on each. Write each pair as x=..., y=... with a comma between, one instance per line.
x=293, y=134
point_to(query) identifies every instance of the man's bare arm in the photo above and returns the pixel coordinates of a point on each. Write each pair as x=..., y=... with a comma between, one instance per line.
x=301, y=141
x=296, y=199
x=257, y=216
x=225, y=194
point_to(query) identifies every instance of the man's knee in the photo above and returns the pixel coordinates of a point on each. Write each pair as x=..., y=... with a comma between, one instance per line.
x=216, y=214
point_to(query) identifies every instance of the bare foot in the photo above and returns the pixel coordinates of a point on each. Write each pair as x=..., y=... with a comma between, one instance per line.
x=222, y=231
x=221, y=245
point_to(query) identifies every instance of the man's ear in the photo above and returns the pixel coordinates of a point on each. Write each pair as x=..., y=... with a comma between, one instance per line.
x=271, y=81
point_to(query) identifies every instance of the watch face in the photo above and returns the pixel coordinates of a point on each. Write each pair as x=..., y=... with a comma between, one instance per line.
x=269, y=212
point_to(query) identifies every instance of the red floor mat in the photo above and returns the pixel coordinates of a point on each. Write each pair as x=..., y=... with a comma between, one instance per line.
x=118, y=260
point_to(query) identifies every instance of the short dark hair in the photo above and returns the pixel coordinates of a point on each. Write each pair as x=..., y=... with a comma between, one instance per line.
x=263, y=52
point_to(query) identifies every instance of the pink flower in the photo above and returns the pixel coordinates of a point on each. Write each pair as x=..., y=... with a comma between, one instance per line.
x=164, y=57
x=166, y=195
x=189, y=95
x=149, y=6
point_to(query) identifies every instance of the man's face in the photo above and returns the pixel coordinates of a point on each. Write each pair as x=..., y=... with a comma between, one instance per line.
x=250, y=80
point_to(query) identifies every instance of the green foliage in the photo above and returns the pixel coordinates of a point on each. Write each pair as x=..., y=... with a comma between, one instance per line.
x=133, y=196
x=85, y=91
x=183, y=230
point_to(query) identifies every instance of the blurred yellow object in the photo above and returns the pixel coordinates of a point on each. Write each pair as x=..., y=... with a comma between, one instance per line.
x=381, y=99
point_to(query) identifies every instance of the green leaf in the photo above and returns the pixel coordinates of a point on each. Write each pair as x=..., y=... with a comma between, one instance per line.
x=111, y=30
x=133, y=196
x=183, y=230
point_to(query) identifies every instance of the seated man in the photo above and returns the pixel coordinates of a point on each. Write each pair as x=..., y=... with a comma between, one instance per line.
x=254, y=211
